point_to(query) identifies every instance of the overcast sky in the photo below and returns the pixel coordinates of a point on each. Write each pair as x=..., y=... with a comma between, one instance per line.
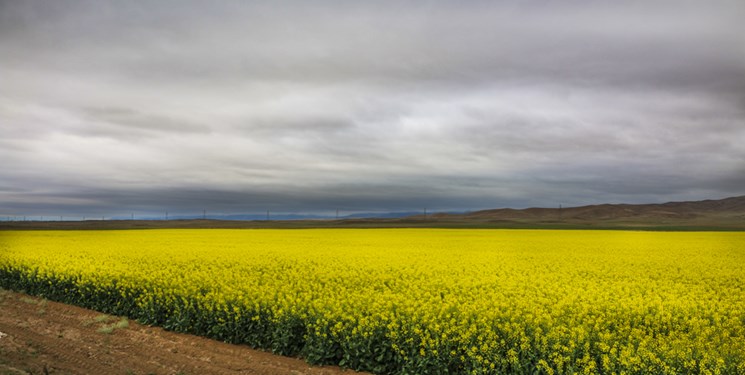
x=111, y=107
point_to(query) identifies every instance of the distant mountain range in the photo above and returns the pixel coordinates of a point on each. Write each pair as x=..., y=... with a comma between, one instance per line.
x=722, y=214
x=282, y=216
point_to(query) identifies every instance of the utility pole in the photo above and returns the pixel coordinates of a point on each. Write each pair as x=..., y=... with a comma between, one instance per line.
x=204, y=214
x=60, y=217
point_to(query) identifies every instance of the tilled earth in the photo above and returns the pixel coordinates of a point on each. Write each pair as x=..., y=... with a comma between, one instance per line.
x=43, y=337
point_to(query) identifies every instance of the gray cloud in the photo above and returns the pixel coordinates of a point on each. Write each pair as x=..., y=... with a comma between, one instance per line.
x=111, y=106
x=121, y=122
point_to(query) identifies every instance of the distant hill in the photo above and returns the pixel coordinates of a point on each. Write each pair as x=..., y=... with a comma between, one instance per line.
x=722, y=214
x=727, y=212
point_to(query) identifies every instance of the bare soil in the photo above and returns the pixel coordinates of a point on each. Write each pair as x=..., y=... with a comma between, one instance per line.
x=44, y=337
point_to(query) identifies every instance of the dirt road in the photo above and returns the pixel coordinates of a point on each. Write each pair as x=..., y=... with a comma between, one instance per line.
x=44, y=337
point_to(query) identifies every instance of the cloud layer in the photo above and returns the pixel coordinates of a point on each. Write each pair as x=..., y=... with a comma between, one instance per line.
x=111, y=107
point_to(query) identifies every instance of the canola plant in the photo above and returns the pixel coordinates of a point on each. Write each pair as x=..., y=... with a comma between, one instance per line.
x=415, y=301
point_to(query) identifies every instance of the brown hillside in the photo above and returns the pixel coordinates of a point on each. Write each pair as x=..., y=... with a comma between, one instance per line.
x=729, y=208
x=723, y=214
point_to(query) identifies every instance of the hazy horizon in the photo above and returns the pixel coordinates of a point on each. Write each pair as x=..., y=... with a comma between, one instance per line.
x=109, y=108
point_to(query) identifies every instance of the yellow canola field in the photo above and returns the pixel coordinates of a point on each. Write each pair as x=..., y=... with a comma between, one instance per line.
x=416, y=301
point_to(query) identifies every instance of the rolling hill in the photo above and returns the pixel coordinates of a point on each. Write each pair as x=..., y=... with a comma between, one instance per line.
x=728, y=212
x=722, y=214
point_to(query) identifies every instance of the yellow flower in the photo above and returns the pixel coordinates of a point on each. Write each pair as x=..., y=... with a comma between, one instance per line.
x=485, y=300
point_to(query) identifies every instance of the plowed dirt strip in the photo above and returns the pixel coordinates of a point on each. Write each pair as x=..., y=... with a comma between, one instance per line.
x=43, y=337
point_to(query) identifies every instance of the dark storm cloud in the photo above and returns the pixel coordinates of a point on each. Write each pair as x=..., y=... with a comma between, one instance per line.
x=108, y=106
